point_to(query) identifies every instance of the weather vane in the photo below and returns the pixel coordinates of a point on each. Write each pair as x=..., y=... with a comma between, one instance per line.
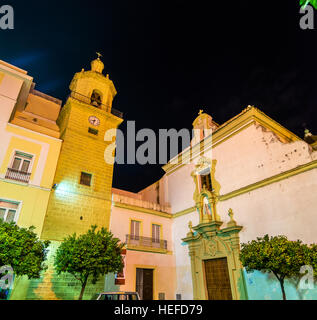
x=99, y=55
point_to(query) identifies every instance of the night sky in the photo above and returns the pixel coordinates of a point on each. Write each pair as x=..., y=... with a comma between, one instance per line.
x=170, y=59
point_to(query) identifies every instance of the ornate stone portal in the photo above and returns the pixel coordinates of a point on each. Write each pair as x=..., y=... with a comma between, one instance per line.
x=207, y=241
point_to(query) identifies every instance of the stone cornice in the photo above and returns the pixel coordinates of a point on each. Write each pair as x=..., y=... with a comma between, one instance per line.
x=95, y=75
x=101, y=112
x=144, y=210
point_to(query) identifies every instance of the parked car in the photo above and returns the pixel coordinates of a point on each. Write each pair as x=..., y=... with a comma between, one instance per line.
x=122, y=295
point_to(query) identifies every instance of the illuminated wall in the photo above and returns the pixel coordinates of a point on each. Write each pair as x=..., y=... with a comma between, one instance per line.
x=75, y=206
x=29, y=189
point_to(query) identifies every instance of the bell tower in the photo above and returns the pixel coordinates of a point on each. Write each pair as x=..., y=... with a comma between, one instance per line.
x=81, y=194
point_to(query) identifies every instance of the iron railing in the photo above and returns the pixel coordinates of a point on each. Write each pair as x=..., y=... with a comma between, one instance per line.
x=17, y=175
x=137, y=241
x=80, y=97
x=45, y=96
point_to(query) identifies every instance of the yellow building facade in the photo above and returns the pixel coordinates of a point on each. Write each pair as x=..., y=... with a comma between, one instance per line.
x=53, y=171
x=30, y=147
x=29, y=150
x=82, y=193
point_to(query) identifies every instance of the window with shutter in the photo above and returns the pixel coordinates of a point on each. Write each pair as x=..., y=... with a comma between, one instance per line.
x=16, y=163
x=25, y=165
x=156, y=230
x=21, y=161
x=85, y=179
x=135, y=230
x=161, y=296
x=8, y=211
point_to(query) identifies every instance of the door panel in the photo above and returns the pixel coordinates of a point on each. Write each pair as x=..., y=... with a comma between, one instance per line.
x=147, y=284
x=139, y=282
x=144, y=283
x=217, y=279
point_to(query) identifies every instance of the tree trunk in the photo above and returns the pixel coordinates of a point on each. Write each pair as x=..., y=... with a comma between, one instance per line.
x=82, y=290
x=282, y=287
x=281, y=281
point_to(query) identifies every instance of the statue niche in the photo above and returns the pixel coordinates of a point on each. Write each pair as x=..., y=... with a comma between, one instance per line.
x=206, y=191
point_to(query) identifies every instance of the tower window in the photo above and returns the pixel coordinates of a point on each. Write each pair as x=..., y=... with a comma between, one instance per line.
x=85, y=179
x=93, y=131
x=95, y=99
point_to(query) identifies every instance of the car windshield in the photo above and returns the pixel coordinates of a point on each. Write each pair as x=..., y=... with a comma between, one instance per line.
x=111, y=296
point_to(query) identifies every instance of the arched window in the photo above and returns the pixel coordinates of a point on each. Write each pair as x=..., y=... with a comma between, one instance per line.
x=205, y=179
x=95, y=99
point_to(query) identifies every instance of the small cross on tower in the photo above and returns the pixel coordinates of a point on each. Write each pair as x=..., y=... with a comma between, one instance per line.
x=99, y=55
x=200, y=112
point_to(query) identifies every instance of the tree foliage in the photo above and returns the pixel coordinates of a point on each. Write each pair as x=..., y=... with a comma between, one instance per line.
x=22, y=250
x=92, y=254
x=304, y=3
x=278, y=255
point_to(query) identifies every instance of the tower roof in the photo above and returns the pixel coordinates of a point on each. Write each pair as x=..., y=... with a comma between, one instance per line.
x=97, y=65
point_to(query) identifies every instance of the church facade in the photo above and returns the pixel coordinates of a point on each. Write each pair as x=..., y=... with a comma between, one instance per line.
x=235, y=182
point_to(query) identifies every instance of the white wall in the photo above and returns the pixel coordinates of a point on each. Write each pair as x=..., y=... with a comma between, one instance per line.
x=184, y=284
x=9, y=91
x=286, y=207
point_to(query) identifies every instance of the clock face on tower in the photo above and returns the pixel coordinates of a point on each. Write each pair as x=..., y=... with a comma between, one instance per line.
x=94, y=121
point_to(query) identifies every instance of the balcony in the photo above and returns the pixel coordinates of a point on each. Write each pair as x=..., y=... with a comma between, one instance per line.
x=146, y=244
x=81, y=98
x=17, y=175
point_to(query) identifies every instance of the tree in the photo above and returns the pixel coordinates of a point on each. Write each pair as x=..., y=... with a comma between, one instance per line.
x=304, y=3
x=22, y=250
x=92, y=254
x=313, y=258
x=278, y=255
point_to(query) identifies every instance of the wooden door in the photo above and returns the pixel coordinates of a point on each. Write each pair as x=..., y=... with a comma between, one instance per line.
x=144, y=283
x=217, y=279
x=147, y=284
